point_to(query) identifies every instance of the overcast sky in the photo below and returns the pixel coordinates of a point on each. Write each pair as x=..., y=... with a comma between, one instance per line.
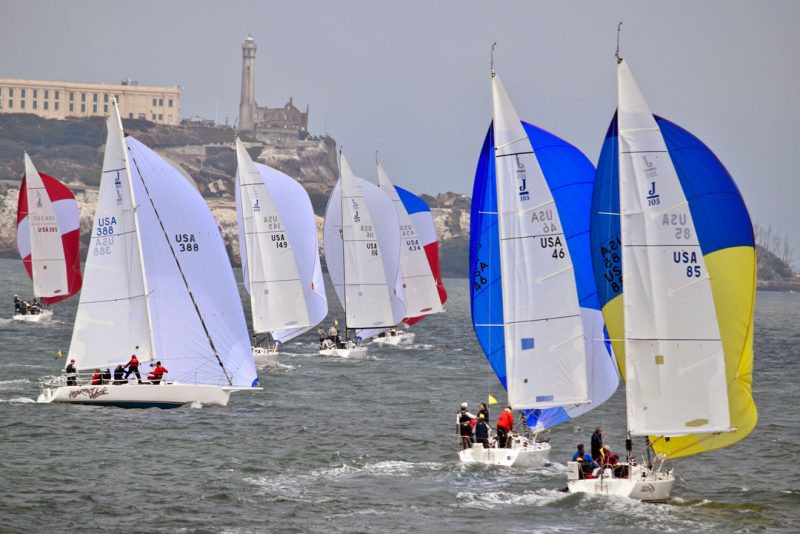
x=411, y=78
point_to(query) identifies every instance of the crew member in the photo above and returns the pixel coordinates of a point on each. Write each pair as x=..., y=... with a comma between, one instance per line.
x=133, y=368
x=97, y=378
x=119, y=371
x=504, y=425
x=157, y=374
x=597, y=444
x=72, y=373
x=482, y=431
x=484, y=410
x=464, y=425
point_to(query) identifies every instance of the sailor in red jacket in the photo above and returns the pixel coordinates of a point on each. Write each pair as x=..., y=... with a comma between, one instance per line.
x=504, y=425
x=157, y=374
x=133, y=368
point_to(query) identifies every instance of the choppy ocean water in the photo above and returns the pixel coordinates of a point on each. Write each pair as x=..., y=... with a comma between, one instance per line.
x=360, y=446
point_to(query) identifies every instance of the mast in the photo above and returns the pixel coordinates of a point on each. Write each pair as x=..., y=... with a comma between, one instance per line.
x=126, y=169
x=344, y=261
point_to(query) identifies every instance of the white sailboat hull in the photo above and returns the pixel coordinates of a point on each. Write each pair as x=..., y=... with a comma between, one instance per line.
x=522, y=453
x=351, y=350
x=34, y=318
x=400, y=338
x=132, y=395
x=643, y=484
x=265, y=355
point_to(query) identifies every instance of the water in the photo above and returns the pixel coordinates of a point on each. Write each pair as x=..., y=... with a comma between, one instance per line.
x=360, y=446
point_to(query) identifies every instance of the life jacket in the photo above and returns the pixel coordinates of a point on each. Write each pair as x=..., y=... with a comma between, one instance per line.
x=505, y=421
x=134, y=363
x=157, y=373
x=465, y=422
x=97, y=379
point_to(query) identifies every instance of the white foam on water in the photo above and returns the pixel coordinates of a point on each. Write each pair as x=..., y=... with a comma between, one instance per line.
x=401, y=468
x=3, y=383
x=493, y=499
x=18, y=400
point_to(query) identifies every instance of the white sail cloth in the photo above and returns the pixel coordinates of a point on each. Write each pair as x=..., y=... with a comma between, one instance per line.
x=546, y=357
x=365, y=269
x=422, y=296
x=673, y=355
x=43, y=224
x=216, y=349
x=112, y=320
x=279, y=250
x=150, y=301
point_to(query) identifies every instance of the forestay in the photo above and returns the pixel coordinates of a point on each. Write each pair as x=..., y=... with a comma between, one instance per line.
x=365, y=268
x=675, y=368
x=543, y=332
x=48, y=235
x=278, y=245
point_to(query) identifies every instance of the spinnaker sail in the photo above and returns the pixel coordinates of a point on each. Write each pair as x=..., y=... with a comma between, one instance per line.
x=48, y=235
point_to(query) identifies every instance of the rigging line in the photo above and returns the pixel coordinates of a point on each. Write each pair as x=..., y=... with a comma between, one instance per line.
x=498, y=147
x=183, y=276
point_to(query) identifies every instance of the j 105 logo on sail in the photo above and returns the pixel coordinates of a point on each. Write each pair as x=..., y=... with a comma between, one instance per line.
x=523, y=186
x=256, y=206
x=653, y=198
x=38, y=199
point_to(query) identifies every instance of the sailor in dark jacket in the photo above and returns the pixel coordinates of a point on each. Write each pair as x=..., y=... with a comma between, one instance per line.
x=482, y=431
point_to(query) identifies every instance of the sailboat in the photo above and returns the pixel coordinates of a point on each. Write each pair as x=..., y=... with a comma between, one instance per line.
x=280, y=256
x=419, y=264
x=362, y=251
x=157, y=284
x=674, y=259
x=534, y=304
x=48, y=239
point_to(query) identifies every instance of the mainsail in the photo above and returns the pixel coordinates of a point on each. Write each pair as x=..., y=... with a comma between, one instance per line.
x=684, y=248
x=536, y=268
x=48, y=235
x=158, y=280
x=365, y=268
x=419, y=256
x=279, y=250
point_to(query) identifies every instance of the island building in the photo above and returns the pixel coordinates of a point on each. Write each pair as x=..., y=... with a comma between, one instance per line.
x=60, y=100
x=252, y=117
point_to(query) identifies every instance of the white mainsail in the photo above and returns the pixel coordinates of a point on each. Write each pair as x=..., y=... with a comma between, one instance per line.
x=48, y=266
x=112, y=321
x=674, y=358
x=422, y=296
x=546, y=360
x=280, y=255
x=365, y=269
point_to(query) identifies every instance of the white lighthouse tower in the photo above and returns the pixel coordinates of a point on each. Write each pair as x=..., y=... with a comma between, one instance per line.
x=247, y=104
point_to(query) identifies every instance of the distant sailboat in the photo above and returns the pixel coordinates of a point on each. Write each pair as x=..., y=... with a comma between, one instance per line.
x=534, y=303
x=674, y=260
x=48, y=239
x=280, y=255
x=363, y=257
x=419, y=264
x=158, y=284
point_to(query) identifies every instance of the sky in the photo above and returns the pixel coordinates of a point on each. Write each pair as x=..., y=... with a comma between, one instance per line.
x=411, y=78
